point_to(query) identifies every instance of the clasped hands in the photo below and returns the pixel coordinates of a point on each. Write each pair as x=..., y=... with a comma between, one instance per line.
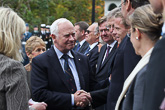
x=82, y=98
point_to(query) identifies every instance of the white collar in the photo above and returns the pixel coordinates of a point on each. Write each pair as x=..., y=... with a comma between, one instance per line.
x=60, y=54
x=82, y=42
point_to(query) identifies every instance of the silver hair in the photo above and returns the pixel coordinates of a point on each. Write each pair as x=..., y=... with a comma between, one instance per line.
x=55, y=24
x=112, y=13
x=96, y=28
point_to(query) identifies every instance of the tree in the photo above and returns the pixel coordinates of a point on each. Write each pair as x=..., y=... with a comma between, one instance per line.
x=36, y=12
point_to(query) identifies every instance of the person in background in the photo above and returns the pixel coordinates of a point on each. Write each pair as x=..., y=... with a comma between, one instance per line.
x=35, y=31
x=145, y=32
x=34, y=47
x=92, y=37
x=14, y=91
x=43, y=32
x=27, y=35
x=48, y=37
x=80, y=29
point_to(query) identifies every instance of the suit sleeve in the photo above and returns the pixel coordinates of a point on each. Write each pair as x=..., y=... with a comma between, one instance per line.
x=99, y=97
x=130, y=59
x=40, y=85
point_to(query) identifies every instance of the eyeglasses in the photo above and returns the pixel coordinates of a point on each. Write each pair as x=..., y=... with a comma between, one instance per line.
x=105, y=30
x=88, y=31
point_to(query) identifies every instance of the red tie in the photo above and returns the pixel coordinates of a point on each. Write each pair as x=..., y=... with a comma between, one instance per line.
x=108, y=48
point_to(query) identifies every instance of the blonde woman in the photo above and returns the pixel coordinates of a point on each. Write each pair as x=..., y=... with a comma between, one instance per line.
x=14, y=91
x=34, y=47
x=145, y=32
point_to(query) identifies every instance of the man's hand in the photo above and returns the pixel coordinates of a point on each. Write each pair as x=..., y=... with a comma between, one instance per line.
x=39, y=106
x=82, y=98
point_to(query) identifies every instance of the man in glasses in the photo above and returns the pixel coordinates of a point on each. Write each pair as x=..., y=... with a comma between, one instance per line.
x=80, y=29
x=92, y=37
x=106, y=51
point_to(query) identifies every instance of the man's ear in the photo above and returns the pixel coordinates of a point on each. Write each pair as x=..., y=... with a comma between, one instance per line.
x=83, y=32
x=128, y=5
x=53, y=37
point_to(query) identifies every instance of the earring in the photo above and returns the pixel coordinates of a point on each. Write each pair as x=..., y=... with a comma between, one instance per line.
x=137, y=38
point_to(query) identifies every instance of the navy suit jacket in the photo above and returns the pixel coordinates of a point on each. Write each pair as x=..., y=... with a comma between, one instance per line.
x=49, y=82
x=84, y=47
x=93, y=57
x=102, y=69
x=124, y=62
x=155, y=77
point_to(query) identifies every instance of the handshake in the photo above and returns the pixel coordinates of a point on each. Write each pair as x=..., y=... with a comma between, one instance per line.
x=82, y=98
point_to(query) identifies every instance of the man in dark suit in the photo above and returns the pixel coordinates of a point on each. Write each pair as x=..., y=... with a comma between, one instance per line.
x=59, y=72
x=92, y=37
x=154, y=92
x=106, y=52
x=80, y=29
x=124, y=61
x=105, y=57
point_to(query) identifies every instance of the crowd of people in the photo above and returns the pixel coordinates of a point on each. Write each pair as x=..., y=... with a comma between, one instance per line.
x=113, y=64
x=44, y=34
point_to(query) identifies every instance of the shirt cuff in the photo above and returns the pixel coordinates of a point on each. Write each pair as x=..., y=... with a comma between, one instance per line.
x=72, y=98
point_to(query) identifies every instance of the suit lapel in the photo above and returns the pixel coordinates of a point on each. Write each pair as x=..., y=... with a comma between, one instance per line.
x=78, y=63
x=100, y=59
x=83, y=47
x=110, y=54
x=57, y=67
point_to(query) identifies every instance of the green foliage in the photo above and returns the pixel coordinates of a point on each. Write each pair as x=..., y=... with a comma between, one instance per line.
x=36, y=12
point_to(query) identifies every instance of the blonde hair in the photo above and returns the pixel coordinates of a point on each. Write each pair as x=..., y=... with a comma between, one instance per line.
x=32, y=43
x=11, y=29
x=147, y=22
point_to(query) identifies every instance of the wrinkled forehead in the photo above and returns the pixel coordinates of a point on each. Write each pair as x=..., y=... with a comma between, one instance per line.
x=65, y=27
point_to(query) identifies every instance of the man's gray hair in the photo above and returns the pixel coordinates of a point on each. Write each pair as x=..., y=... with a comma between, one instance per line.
x=112, y=13
x=96, y=28
x=55, y=24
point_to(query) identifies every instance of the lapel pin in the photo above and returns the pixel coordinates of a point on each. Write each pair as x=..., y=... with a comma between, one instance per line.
x=79, y=59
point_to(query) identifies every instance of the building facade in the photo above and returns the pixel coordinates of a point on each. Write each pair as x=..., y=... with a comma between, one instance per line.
x=110, y=4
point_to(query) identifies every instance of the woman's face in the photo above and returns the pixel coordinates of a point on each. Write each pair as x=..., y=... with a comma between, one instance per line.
x=38, y=50
x=135, y=40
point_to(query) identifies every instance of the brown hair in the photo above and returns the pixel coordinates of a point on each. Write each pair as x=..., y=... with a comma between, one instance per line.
x=83, y=25
x=102, y=20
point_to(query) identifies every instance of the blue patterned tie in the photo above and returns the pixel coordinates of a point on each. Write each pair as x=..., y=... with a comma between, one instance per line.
x=87, y=51
x=69, y=75
x=78, y=47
